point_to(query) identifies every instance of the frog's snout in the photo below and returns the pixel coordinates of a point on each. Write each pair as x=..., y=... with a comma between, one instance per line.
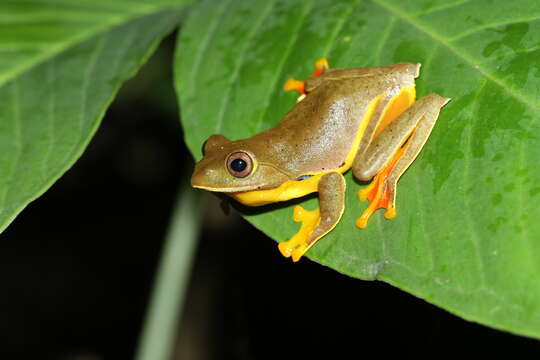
x=204, y=176
x=199, y=174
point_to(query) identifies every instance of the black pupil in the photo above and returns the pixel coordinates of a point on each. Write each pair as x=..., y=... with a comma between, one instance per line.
x=238, y=165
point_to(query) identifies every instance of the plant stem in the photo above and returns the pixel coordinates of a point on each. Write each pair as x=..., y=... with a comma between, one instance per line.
x=161, y=322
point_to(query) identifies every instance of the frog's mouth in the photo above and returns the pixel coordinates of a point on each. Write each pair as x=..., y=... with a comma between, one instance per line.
x=199, y=181
x=240, y=189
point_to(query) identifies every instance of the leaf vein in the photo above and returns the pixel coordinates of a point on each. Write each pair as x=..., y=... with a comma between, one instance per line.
x=17, y=136
x=280, y=67
x=339, y=25
x=489, y=26
x=50, y=119
x=86, y=81
x=384, y=38
x=204, y=46
x=524, y=235
x=444, y=7
x=95, y=31
x=513, y=52
x=421, y=205
x=421, y=212
x=467, y=183
x=465, y=57
x=238, y=65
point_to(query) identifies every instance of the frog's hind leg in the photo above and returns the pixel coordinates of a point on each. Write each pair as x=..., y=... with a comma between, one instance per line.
x=321, y=66
x=391, y=153
x=317, y=223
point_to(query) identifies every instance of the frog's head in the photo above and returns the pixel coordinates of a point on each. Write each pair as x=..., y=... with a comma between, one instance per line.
x=234, y=166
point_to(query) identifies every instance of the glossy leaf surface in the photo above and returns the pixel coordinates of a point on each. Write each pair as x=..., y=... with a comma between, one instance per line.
x=61, y=63
x=466, y=236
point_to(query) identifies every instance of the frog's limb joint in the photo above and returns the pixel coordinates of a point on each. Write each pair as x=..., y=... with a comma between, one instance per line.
x=317, y=223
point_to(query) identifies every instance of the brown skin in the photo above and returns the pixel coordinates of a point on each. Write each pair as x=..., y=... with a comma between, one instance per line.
x=332, y=199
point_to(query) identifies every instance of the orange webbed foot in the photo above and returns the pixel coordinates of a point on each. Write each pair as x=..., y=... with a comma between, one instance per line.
x=380, y=194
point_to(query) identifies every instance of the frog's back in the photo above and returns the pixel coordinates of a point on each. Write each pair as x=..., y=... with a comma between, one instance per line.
x=319, y=133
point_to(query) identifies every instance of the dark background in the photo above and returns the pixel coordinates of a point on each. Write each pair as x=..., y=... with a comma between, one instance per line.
x=76, y=267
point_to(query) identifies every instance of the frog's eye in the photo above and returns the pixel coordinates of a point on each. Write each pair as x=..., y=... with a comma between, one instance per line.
x=239, y=164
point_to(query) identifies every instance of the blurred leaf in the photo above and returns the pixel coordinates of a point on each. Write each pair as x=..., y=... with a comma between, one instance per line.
x=61, y=63
x=466, y=236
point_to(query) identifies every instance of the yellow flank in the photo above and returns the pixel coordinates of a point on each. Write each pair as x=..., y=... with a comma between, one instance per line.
x=290, y=189
x=360, y=134
x=396, y=106
x=293, y=189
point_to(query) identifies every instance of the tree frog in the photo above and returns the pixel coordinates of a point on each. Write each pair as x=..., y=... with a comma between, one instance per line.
x=366, y=119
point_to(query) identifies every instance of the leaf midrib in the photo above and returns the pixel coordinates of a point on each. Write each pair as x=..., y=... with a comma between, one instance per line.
x=115, y=21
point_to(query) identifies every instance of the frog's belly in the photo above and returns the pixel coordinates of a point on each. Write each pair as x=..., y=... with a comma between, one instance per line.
x=290, y=189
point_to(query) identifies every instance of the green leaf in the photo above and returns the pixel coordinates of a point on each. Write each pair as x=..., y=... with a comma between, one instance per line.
x=61, y=63
x=466, y=236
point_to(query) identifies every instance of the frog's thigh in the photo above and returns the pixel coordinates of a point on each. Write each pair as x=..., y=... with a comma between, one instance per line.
x=431, y=105
x=416, y=123
x=387, y=158
x=317, y=223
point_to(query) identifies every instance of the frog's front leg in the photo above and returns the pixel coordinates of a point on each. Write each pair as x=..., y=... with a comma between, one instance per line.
x=317, y=223
x=391, y=153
